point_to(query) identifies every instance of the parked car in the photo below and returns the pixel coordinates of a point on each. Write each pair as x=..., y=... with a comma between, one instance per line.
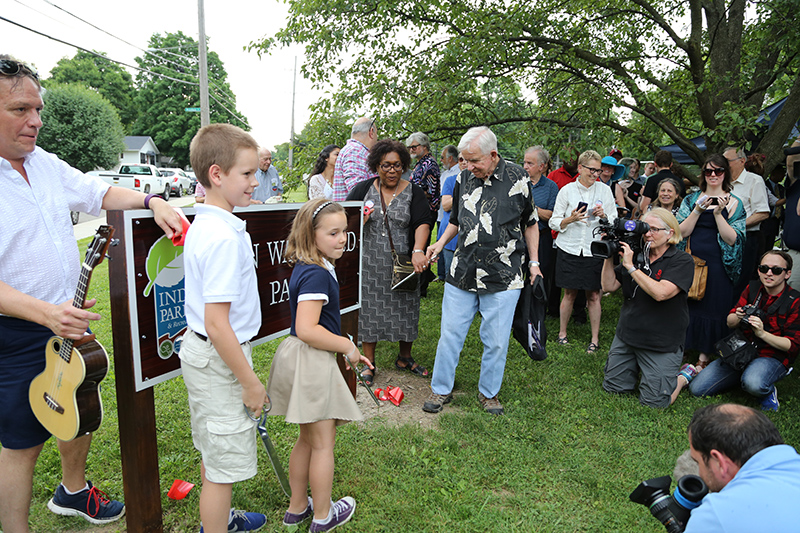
x=143, y=178
x=193, y=179
x=179, y=182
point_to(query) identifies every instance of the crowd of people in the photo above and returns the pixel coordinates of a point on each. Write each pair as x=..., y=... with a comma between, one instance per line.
x=500, y=226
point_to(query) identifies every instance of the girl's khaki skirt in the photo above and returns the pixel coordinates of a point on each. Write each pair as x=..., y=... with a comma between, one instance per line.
x=305, y=385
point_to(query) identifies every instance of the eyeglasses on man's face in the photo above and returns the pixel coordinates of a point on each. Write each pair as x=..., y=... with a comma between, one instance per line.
x=775, y=270
x=414, y=146
x=9, y=67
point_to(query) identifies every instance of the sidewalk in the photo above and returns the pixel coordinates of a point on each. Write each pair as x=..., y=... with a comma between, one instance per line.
x=89, y=228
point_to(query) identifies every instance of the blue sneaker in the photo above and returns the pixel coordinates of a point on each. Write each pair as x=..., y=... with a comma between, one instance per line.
x=770, y=401
x=292, y=520
x=243, y=521
x=341, y=512
x=91, y=504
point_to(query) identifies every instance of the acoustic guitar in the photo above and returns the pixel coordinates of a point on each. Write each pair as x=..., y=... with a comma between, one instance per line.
x=65, y=397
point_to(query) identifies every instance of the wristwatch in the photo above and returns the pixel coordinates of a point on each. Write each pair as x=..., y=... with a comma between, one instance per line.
x=418, y=251
x=533, y=264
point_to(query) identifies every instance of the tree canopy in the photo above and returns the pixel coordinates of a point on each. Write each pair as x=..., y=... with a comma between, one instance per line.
x=170, y=85
x=81, y=127
x=646, y=71
x=102, y=75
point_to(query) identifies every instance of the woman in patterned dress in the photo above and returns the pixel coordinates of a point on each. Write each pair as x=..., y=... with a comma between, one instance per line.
x=388, y=315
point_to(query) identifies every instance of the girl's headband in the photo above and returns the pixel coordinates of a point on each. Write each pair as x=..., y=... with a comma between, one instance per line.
x=320, y=208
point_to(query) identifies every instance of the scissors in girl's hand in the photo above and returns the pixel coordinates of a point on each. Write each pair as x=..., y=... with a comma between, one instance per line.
x=273, y=455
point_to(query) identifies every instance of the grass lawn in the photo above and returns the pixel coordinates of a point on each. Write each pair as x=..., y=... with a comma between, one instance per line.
x=564, y=458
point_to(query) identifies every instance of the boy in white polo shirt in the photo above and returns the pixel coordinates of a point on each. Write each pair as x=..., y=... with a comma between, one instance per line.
x=223, y=314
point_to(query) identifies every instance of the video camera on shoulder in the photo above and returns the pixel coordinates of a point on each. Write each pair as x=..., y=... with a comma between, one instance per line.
x=672, y=511
x=629, y=231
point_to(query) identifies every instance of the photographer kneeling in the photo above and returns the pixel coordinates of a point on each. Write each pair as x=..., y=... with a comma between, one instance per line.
x=653, y=319
x=767, y=313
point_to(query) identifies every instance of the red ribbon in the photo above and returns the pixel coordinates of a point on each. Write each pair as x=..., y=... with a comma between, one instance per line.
x=390, y=394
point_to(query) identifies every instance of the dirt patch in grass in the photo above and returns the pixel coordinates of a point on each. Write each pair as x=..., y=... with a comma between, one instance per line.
x=415, y=389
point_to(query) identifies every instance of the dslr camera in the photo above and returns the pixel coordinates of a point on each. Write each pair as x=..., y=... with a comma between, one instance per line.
x=630, y=232
x=752, y=310
x=672, y=511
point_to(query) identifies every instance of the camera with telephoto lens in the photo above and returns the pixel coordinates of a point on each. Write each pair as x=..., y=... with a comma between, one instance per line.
x=752, y=310
x=630, y=232
x=672, y=511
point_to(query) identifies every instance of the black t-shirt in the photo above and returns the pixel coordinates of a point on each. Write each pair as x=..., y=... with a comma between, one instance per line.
x=651, y=187
x=650, y=325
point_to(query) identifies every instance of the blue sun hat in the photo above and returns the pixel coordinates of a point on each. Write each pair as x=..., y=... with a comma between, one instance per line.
x=619, y=170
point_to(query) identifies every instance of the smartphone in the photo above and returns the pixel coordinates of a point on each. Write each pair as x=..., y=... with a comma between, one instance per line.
x=582, y=206
x=714, y=200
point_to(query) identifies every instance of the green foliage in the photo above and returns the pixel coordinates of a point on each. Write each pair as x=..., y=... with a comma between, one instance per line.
x=326, y=126
x=81, y=127
x=106, y=77
x=164, y=95
x=620, y=72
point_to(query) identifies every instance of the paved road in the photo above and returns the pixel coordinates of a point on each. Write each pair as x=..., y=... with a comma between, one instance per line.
x=87, y=226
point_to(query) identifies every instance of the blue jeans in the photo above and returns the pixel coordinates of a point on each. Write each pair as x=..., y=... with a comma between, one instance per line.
x=445, y=260
x=458, y=312
x=757, y=378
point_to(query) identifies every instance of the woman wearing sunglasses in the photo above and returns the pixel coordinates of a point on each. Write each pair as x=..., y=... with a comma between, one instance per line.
x=774, y=328
x=712, y=222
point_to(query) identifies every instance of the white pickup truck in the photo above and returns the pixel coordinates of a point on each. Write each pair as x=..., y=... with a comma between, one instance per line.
x=143, y=178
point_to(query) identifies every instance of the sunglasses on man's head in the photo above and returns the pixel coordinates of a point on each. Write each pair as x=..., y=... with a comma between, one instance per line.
x=775, y=270
x=714, y=171
x=9, y=67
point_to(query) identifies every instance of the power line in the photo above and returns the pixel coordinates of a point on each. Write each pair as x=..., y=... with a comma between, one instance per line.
x=115, y=37
x=93, y=52
x=101, y=56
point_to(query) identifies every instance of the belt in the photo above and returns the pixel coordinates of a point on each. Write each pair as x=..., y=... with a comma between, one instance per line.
x=205, y=339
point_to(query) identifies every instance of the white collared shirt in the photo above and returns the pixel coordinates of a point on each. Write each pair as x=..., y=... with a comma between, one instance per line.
x=38, y=252
x=752, y=191
x=576, y=238
x=219, y=265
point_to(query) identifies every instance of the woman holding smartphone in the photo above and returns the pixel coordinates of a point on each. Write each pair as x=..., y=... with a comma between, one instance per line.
x=579, y=207
x=712, y=222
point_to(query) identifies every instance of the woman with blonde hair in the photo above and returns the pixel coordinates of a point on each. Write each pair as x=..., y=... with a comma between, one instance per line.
x=654, y=316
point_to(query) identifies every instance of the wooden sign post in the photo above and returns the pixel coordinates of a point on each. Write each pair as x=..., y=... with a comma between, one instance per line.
x=147, y=301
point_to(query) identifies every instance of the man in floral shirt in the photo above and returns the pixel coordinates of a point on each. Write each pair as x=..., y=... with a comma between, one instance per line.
x=495, y=218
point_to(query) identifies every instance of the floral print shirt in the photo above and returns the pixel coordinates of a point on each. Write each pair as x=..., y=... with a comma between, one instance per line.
x=492, y=216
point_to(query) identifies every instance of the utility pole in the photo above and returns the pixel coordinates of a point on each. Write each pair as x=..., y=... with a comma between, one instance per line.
x=205, y=119
x=291, y=138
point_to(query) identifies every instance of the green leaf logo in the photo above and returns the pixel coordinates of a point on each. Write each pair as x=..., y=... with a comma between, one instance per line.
x=161, y=266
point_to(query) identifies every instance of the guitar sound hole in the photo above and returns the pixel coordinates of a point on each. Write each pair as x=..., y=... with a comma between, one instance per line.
x=57, y=346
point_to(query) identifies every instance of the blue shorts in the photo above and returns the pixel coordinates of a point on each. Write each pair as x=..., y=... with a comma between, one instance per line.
x=22, y=358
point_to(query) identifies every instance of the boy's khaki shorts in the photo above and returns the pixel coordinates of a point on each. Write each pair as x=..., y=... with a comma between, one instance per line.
x=221, y=430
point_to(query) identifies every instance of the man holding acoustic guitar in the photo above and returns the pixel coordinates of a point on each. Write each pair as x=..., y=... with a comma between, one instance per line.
x=39, y=272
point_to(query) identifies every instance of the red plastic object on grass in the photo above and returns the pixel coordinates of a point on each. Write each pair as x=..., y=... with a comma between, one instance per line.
x=179, y=489
x=390, y=394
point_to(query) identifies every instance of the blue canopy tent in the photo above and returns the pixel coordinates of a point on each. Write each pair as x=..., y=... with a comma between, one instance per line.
x=766, y=117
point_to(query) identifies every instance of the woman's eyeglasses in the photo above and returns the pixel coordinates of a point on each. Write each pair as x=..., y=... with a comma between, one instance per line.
x=386, y=167
x=714, y=171
x=9, y=67
x=775, y=270
x=594, y=171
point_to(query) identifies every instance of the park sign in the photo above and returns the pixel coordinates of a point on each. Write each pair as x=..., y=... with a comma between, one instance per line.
x=155, y=291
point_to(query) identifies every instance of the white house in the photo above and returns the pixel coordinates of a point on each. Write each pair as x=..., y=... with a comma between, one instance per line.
x=139, y=149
